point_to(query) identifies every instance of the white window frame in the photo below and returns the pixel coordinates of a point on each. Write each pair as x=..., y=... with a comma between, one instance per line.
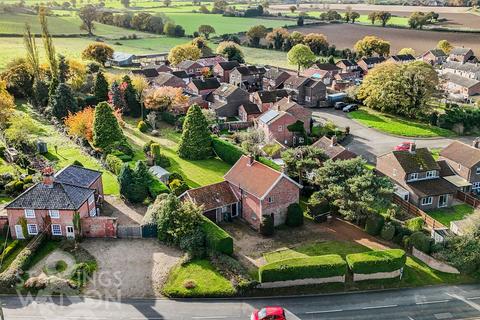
x=413, y=176
x=429, y=201
x=91, y=199
x=475, y=185
x=30, y=227
x=270, y=200
x=431, y=174
x=54, y=214
x=92, y=212
x=280, y=128
x=59, y=233
x=29, y=213
x=308, y=98
x=478, y=171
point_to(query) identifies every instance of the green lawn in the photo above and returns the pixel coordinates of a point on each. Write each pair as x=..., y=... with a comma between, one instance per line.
x=446, y=215
x=206, y=280
x=316, y=249
x=68, y=151
x=196, y=173
x=13, y=254
x=396, y=125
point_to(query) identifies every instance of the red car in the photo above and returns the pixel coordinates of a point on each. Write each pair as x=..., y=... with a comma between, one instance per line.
x=404, y=146
x=269, y=313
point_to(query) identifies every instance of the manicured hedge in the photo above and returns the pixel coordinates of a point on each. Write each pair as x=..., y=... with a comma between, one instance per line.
x=376, y=261
x=325, y=266
x=421, y=241
x=226, y=151
x=216, y=238
x=269, y=163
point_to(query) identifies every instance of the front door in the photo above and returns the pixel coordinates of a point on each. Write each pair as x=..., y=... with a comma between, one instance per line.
x=70, y=232
x=19, y=231
x=443, y=200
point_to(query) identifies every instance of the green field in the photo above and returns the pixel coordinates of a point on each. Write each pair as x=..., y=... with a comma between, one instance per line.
x=396, y=125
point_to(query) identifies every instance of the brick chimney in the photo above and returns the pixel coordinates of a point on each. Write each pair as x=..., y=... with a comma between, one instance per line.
x=48, y=177
x=476, y=143
x=333, y=141
x=413, y=148
x=251, y=159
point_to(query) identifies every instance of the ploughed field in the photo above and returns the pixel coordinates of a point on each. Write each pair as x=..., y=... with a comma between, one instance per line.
x=345, y=35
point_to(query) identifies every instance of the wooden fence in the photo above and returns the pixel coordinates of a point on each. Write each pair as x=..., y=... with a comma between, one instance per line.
x=412, y=209
x=471, y=200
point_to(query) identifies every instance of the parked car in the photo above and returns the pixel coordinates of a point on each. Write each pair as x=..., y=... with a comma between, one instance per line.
x=340, y=105
x=350, y=108
x=404, y=146
x=269, y=313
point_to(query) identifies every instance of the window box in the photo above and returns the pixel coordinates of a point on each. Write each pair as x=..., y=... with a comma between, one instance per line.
x=32, y=229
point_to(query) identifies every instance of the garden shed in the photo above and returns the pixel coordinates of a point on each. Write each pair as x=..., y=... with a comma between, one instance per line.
x=160, y=173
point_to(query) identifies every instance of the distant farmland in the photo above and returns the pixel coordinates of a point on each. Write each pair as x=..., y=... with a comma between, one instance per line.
x=345, y=35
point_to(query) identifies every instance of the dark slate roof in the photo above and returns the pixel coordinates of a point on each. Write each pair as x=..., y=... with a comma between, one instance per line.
x=205, y=84
x=403, y=57
x=164, y=77
x=249, y=70
x=373, y=60
x=459, y=80
x=419, y=161
x=77, y=176
x=181, y=74
x=460, y=51
x=327, y=66
x=437, y=53
x=348, y=63
x=228, y=65
x=149, y=73
x=445, y=169
x=275, y=73
x=251, y=108
x=432, y=187
x=272, y=96
x=59, y=196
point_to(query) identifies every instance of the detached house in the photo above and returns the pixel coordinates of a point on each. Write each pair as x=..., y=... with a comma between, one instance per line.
x=434, y=57
x=461, y=55
x=192, y=68
x=203, y=87
x=274, y=78
x=417, y=178
x=266, y=99
x=227, y=99
x=165, y=79
x=348, y=66
x=306, y=91
x=324, y=72
x=222, y=70
x=247, y=77
x=460, y=86
x=368, y=63
x=53, y=202
x=250, y=190
x=333, y=149
x=464, y=161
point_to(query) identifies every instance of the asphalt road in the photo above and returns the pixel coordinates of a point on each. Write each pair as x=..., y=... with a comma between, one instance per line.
x=430, y=303
x=369, y=142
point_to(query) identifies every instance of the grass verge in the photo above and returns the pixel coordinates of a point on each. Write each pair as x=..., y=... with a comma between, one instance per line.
x=446, y=215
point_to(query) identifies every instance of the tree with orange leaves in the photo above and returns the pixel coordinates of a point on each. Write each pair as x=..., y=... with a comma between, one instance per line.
x=80, y=124
x=165, y=99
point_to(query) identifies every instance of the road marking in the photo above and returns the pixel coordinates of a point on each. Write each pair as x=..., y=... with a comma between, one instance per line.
x=473, y=298
x=379, y=307
x=471, y=304
x=324, y=311
x=410, y=318
x=436, y=301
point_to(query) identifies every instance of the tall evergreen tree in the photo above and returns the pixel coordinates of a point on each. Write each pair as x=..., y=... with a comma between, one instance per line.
x=142, y=180
x=118, y=100
x=63, y=69
x=131, y=97
x=100, y=89
x=63, y=102
x=196, y=143
x=106, y=130
x=127, y=182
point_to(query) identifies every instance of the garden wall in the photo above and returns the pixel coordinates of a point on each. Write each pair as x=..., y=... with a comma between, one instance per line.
x=300, y=282
x=377, y=275
x=3, y=222
x=99, y=227
x=434, y=263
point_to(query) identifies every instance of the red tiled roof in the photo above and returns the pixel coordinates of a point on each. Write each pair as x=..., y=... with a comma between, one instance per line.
x=212, y=196
x=256, y=178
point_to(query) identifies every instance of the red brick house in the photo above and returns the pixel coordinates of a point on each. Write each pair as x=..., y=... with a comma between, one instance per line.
x=250, y=191
x=222, y=70
x=434, y=57
x=202, y=87
x=52, y=203
x=248, y=111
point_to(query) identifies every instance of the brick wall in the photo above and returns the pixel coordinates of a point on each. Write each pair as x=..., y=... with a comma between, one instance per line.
x=284, y=194
x=99, y=227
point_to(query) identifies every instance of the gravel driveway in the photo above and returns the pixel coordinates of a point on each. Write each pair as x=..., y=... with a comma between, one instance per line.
x=129, y=268
x=369, y=142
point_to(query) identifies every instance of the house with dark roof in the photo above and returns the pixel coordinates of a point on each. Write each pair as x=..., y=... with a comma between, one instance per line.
x=417, y=177
x=250, y=191
x=247, y=77
x=248, y=111
x=222, y=70
x=402, y=58
x=227, y=98
x=464, y=161
x=192, y=68
x=149, y=73
x=467, y=70
x=349, y=66
x=333, y=149
x=306, y=91
x=459, y=86
x=50, y=205
x=274, y=78
x=202, y=87
x=165, y=79
x=368, y=63
x=462, y=55
x=265, y=99
x=434, y=57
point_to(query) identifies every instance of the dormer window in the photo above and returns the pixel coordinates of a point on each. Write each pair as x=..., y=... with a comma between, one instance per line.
x=413, y=176
x=431, y=174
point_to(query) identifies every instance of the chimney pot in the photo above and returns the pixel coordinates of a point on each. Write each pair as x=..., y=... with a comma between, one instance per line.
x=333, y=141
x=48, y=177
x=413, y=147
x=250, y=160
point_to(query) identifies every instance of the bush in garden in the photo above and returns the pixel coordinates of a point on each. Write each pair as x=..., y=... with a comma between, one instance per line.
x=415, y=224
x=400, y=233
x=376, y=261
x=175, y=176
x=114, y=163
x=10, y=187
x=146, y=146
x=63, y=102
x=374, y=224
x=142, y=180
x=294, y=215
x=420, y=241
x=142, y=126
x=388, y=231
x=126, y=181
x=216, y=238
x=157, y=187
x=77, y=163
x=267, y=227
x=178, y=187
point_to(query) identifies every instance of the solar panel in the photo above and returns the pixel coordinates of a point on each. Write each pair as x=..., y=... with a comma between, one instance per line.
x=268, y=116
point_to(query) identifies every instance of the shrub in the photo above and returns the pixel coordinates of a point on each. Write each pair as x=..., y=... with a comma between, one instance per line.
x=168, y=117
x=10, y=187
x=77, y=163
x=114, y=163
x=415, y=224
x=374, y=224
x=400, y=233
x=147, y=146
x=160, y=159
x=302, y=268
x=190, y=284
x=269, y=163
x=175, y=176
x=267, y=226
x=178, y=187
x=9, y=249
x=142, y=126
x=376, y=261
x=294, y=215
x=216, y=238
x=388, y=231
x=420, y=241
x=157, y=187
x=226, y=151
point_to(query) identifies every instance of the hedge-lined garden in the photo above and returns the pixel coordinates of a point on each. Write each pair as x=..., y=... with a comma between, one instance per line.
x=303, y=268
x=216, y=238
x=376, y=261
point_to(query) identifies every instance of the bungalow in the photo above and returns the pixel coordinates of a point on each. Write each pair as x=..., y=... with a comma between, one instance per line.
x=333, y=149
x=417, y=177
x=266, y=99
x=402, y=58
x=227, y=99
x=247, y=77
x=53, y=202
x=368, y=63
x=464, y=161
x=461, y=55
x=169, y=80
x=434, y=57
x=274, y=78
x=222, y=70
x=250, y=191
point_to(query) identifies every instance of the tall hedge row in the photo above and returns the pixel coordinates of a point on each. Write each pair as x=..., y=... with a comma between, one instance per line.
x=303, y=268
x=226, y=151
x=376, y=261
x=216, y=238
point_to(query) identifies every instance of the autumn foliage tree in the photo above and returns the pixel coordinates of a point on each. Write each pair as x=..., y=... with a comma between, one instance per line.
x=277, y=37
x=183, y=52
x=7, y=104
x=370, y=45
x=165, y=99
x=255, y=34
x=99, y=52
x=316, y=42
x=80, y=124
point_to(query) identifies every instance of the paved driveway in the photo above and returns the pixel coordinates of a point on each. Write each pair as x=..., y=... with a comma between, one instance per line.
x=369, y=142
x=129, y=268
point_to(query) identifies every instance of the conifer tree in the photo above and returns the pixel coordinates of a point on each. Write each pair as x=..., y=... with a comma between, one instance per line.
x=196, y=143
x=117, y=99
x=131, y=97
x=126, y=182
x=106, y=130
x=100, y=89
x=63, y=102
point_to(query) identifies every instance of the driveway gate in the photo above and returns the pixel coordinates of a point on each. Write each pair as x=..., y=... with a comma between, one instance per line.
x=129, y=232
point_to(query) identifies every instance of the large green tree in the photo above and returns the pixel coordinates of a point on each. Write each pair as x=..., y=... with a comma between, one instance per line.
x=63, y=102
x=403, y=89
x=301, y=56
x=230, y=50
x=370, y=45
x=350, y=187
x=130, y=95
x=301, y=161
x=196, y=143
x=255, y=34
x=100, y=88
x=106, y=131
x=88, y=14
